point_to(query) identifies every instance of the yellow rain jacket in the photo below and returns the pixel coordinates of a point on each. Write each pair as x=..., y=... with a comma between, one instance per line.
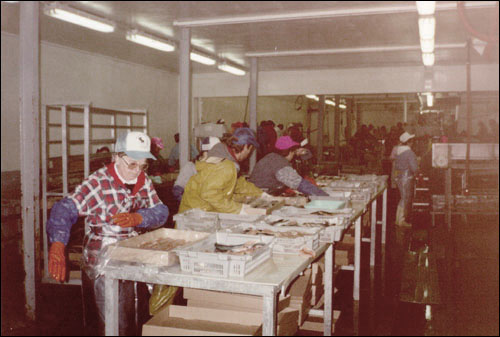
x=214, y=187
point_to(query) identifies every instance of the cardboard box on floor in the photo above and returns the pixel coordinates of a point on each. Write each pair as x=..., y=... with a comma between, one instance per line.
x=185, y=321
x=181, y=320
x=301, y=294
x=217, y=299
x=316, y=324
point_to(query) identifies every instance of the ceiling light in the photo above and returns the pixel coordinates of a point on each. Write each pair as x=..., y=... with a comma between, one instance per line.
x=79, y=18
x=197, y=57
x=427, y=27
x=329, y=102
x=428, y=59
x=426, y=7
x=150, y=41
x=427, y=45
x=314, y=97
x=230, y=69
x=342, y=106
x=430, y=100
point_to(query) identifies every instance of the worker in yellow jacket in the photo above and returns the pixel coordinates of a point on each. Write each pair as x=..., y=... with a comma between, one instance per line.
x=215, y=186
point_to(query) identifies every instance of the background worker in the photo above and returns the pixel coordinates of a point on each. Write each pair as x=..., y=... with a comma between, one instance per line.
x=405, y=168
x=116, y=200
x=190, y=169
x=216, y=184
x=275, y=171
x=173, y=158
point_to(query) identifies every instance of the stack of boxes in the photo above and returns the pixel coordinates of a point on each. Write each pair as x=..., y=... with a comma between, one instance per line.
x=221, y=314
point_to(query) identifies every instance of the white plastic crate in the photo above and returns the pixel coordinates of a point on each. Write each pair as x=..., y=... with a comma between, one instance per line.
x=201, y=221
x=201, y=259
x=283, y=244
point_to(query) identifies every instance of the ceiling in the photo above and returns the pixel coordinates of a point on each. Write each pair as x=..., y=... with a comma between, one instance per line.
x=285, y=35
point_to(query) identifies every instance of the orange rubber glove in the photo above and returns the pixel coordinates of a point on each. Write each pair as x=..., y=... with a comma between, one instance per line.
x=127, y=219
x=57, y=261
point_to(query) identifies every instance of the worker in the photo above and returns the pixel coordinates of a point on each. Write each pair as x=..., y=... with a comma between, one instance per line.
x=173, y=158
x=116, y=200
x=159, y=166
x=216, y=184
x=405, y=168
x=275, y=171
x=190, y=169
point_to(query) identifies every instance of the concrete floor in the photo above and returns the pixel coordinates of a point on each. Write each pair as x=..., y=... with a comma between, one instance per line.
x=468, y=285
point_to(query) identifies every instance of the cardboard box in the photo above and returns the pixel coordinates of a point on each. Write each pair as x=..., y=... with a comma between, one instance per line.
x=348, y=239
x=316, y=323
x=317, y=292
x=344, y=254
x=178, y=321
x=217, y=299
x=134, y=249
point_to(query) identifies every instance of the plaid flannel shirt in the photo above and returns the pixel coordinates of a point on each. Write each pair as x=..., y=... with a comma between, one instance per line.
x=103, y=195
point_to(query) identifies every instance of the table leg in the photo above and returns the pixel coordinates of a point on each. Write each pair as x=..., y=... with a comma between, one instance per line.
x=111, y=306
x=373, y=241
x=329, y=287
x=357, y=258
x=269, y=318
x=383, y=238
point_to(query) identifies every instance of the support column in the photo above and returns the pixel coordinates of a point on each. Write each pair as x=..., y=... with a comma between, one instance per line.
x=254, y=88
x=358, y=114
x=405, y=110
x=348, y=120
x=336, y=140
x=184, y=95
x=29, y=110
x=321, y=114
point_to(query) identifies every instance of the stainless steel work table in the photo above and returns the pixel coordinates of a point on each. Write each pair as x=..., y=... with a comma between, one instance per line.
x=267, y=280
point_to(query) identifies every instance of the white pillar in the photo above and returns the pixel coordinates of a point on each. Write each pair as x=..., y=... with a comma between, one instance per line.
x=184, y=95
x=254, y=92
x=29, y=110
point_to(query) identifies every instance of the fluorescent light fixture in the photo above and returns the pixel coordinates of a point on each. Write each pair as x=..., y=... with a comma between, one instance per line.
x=197, y=57
x=427, y=45
x=150, y=41
x=426, y=7
x=428, y=59
x=329, y=102
x=342, y=106
x=314, y=97
x=79, y=18
x=427, y=27
x=430, y=99
x=230, y=69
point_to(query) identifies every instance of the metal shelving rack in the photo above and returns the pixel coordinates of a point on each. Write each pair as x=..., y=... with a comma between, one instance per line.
x=134, y=120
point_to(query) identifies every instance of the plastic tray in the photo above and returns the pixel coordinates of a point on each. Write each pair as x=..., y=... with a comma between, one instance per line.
x=201, y=221
x=326, y=204
x=333, y=232
x=200, y=258
x=285, y=245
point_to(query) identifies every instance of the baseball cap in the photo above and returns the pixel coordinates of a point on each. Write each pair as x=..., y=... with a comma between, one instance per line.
x=405, y=137
x=245, y=136
x=208, y=143
x=285, y=142
x=135, y=144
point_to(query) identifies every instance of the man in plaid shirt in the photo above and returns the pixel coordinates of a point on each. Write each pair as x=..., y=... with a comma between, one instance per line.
x=115, y=200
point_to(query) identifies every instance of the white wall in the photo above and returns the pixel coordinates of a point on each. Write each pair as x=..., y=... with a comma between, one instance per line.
x=69, y=75
x=348, y=81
